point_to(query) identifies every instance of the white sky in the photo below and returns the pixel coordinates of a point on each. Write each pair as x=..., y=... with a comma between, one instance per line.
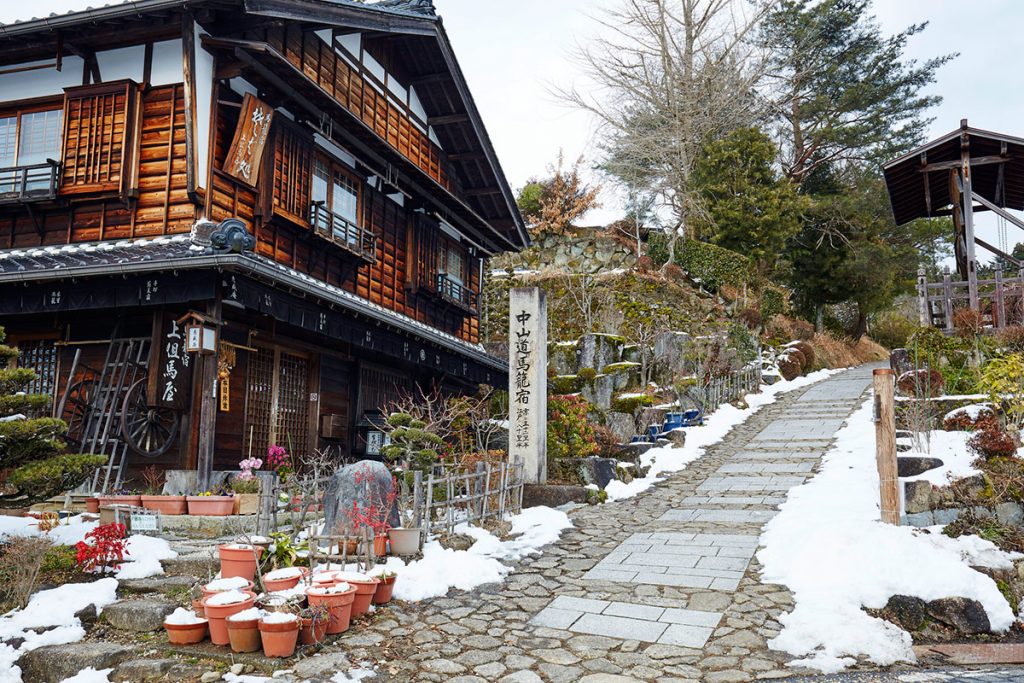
x=513, y=51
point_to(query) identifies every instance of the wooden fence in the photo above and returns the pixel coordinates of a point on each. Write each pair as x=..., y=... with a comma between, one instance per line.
x=1000, y=300
x=728, y=388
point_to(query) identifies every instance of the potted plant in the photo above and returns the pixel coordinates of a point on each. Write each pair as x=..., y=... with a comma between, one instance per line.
x=92, y=505
x=246, y=487
x=365, y=586
x=221, y=606
x=386, y=587
x=283, y=579
x=338, y=599
x=405, y=540
x=209, y=504
x=152, y=494
x=280, y=634
x=314, y=623
x=229, y=583
x=122, y=497
x=239, y=559
x=243, y=630
x=185, y=627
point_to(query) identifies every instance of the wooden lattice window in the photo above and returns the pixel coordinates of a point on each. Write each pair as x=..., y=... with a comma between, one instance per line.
x=277, y=402
x=98, y=137
x=379, y=387
x=39, y=355
x=292, y=173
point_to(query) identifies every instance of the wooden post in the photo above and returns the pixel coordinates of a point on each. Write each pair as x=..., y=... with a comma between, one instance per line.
x=885, y=445
x=207, y=409
x=967, y=197
x=923, y=310
x=947, y=301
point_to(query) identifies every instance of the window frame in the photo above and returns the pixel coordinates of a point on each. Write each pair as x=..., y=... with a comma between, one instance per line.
x=336, y=167
x=17, y=111
x=365, y=244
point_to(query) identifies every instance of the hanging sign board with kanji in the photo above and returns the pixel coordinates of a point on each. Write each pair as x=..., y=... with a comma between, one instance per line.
x=171, y=381
x=246, y=153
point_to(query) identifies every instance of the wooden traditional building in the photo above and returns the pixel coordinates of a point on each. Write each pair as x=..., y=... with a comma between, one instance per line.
x=309, y=180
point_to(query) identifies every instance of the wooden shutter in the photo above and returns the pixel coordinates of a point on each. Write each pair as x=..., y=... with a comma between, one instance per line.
x=99, y=123
x=277, y=402
x=292, y=175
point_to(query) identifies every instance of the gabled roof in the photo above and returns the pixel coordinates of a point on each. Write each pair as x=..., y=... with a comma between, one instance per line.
x=918, y=181
x=420, y=41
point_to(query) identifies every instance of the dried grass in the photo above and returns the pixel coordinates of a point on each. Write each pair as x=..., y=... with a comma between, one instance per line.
x=837, y=352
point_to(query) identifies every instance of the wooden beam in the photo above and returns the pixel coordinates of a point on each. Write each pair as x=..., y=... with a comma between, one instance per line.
x=447, y=120
x=999, y=211
x=428, y=79
x=975, y=161
x=188, y=68
x=482, y=191
x=467, y=156
x=998, y=252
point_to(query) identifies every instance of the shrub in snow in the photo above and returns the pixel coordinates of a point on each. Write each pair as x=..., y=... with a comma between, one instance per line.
x=183, y=617
x=922, y=383
x=103, y=547
x=992, y=441
x=1003, y=379
x=968, y=418
x=791, y=364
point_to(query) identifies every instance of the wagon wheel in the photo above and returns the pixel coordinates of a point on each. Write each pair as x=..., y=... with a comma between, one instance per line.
x=148, y=430
x=75, y=407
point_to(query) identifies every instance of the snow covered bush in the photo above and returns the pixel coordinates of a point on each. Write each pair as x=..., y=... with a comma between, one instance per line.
x=791, y=364
x=923, y=383
x=968, y=418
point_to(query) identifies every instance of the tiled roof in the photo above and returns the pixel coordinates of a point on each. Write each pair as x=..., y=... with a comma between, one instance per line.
x=177, y=252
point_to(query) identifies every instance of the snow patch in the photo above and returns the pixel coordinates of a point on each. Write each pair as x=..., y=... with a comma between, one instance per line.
x=828, y=547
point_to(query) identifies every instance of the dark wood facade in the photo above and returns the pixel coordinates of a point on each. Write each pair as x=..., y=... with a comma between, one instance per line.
x=373, y=195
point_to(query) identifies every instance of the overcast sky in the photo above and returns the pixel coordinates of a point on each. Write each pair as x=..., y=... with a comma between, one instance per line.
x=513, y=52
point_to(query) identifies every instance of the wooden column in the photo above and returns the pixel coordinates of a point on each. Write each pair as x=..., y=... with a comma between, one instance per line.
x=885, y=445
x=207, y=407
x=947, y=300
x=999, y=307
x=924, y=316
x=967, y=197
x=188, y=67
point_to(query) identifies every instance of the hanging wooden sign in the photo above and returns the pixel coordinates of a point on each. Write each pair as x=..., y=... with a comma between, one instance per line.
x=174, y=366
x=246, y=153
x=224, y=392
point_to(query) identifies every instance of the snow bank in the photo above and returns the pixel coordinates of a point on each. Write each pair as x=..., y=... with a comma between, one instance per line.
x=54, y=609
x=716, y=426
x=828, y=547
x=145, y=553
x=90, y=675
x=69, y=532
x=442, y=569
x=951, y=448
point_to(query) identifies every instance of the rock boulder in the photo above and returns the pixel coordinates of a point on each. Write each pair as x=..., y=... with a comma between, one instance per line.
x=907, y=611
x=910, y=466
x=138, y=616
x=964, y=614
x=365, y=483
x=54, y=663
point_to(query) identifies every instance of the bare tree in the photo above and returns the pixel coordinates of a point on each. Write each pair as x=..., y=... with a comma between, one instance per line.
x=671, y=75
x=580, y=288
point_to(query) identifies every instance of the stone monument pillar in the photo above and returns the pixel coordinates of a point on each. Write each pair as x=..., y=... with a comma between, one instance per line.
x=528, y=382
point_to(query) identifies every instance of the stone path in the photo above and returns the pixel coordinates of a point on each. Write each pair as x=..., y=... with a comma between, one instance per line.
x=661, y=587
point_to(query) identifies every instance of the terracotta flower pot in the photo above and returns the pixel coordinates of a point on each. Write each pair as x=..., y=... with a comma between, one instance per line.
x=210, y=506
x=380, y=545
x=323, y=579
x=197, y=607
x=338, y=603
x=365, y=587
x=385, y=588
x=238, y=559
x=279, y=638
x=166, y=505
x=282, y=584
x=217, y=616
x=92, y=505
x=208, y=591
x=135, y=501
x=244, y=634
x=186, y=634
x=311, y=634
x=404, y=541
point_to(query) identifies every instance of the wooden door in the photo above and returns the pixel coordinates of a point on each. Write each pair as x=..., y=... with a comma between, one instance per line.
x=277, y=402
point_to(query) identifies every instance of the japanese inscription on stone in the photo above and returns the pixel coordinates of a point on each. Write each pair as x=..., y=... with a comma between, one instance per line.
x=528, y=382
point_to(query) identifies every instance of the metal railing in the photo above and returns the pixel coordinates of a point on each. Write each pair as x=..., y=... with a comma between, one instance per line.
x=35, y=182
x=343, y=232
x=454, y=292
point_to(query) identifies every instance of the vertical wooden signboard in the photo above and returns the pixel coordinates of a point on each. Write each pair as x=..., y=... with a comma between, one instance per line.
x=528, y=385
x=170, y=383
x=246, y=153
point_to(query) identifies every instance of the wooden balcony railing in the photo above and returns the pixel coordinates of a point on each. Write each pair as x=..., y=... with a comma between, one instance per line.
x=33, y=183
x=455, y=293
x=342, y=232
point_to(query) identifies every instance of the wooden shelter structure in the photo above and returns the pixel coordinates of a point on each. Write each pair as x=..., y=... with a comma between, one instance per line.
x=228, y=224
x=965, y=172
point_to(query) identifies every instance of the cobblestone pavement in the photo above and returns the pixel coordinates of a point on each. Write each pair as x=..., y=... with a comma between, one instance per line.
x=660, y=587
x=1000, y=675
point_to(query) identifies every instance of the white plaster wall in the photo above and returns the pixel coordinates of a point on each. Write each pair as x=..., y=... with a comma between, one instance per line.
x=41, y=82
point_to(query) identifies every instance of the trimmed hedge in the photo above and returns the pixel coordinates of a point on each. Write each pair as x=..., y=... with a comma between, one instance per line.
x=714, y=266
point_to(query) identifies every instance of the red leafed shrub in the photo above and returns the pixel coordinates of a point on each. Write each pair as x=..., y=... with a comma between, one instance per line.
x=993, y=442
x=645, y=264
x=923, y=383
x=751, y=317
x=104, y=546
x=808, y=352
x=961, y=420
x=791, y=365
